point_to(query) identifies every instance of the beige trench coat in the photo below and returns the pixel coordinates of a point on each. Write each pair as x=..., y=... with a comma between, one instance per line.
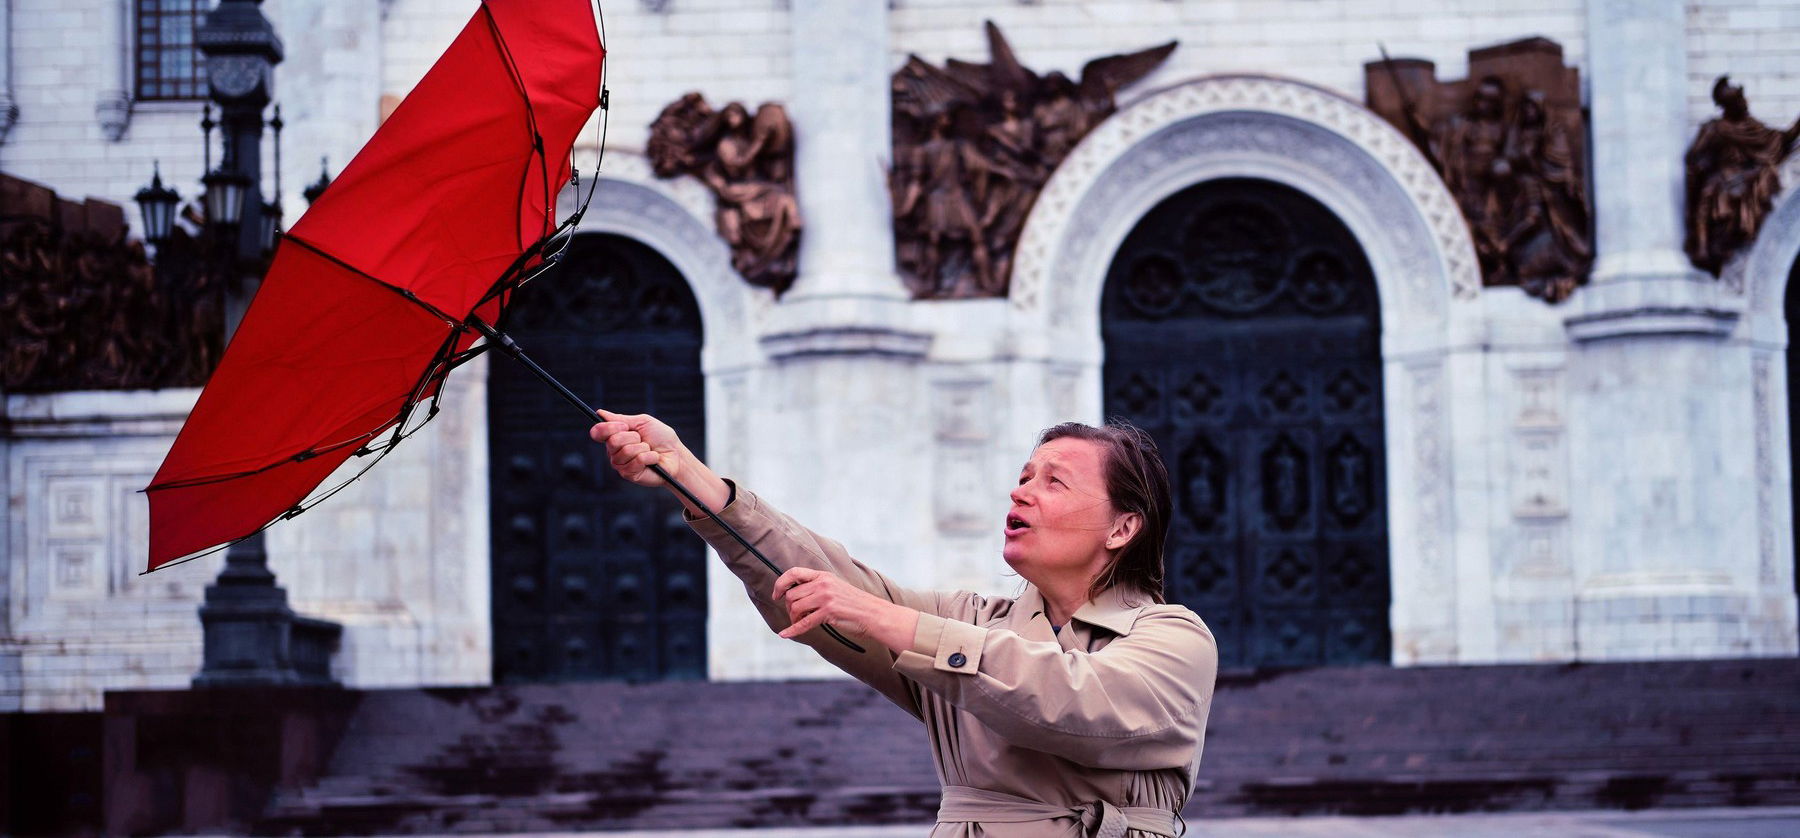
x=1096, y=730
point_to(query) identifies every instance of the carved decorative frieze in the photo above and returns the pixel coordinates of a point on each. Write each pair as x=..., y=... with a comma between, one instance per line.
x=1760, y=386
x=1509, y=143
x=1733, y=175
x=84, y=310
x=748, y=163
x=973, y=146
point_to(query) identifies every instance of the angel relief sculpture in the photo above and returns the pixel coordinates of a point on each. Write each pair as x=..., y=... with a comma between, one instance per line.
x=748, y=163
x=973, y=146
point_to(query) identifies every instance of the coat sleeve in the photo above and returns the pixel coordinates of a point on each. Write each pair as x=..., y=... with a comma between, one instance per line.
x=788, y=544
x=1140, y=703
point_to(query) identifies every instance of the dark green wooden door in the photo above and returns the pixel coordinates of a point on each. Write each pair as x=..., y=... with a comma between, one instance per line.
x=1242, y=331
x=594, y=578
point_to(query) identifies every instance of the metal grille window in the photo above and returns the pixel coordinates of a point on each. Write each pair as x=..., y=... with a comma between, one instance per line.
x=169, y=66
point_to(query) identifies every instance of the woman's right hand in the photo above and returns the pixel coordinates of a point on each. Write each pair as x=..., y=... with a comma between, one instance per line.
x=635, y=443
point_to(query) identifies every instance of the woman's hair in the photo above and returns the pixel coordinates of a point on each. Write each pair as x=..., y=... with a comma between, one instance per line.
x=1137, y=481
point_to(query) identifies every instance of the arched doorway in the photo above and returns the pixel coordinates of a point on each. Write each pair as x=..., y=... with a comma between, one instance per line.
x=594, y=578
x=1242, y=329
x=1791, y=315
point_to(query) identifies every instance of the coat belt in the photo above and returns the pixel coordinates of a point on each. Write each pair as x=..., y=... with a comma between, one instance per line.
x=1099, y=819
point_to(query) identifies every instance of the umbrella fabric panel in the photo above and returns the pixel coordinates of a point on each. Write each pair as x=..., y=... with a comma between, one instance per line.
x=460, y=190
x=194, y=518
x=323, y=358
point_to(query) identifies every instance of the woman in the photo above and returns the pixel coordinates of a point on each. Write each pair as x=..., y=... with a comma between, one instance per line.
x=1077, y=709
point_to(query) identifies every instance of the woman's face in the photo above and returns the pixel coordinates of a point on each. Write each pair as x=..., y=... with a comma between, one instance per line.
x=1061, y=517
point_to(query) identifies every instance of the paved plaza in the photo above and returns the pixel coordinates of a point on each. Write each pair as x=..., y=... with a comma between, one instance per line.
x=1770, y=822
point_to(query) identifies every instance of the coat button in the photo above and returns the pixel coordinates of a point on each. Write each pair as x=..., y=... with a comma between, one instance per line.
x=957, y=659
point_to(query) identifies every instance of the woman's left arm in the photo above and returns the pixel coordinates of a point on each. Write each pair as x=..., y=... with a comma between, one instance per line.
x=1140, y=703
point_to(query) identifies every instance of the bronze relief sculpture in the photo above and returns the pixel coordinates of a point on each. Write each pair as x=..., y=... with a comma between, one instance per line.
x=748, y=163
x=1508, y=142
x=85, y=309
x=1733, y=175
x=973, y=147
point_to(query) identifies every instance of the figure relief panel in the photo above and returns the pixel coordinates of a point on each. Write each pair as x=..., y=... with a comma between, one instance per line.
x=747, y=161
x=83, y=309
x=974, y=144
x=1509, y=142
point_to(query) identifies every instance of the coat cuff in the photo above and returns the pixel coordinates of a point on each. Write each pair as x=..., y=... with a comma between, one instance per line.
x=730, y=500
x=950, y=645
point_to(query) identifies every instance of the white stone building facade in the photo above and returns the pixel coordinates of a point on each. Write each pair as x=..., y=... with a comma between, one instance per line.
x=1607, y=478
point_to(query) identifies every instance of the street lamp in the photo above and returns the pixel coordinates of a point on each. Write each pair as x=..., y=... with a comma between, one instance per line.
x=251, y=636
x=157, y=203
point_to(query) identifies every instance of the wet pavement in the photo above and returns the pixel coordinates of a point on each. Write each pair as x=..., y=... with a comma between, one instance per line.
x=1772, y=822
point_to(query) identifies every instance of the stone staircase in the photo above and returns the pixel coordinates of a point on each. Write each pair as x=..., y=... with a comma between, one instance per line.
x=1362, y=740
x=611, y=756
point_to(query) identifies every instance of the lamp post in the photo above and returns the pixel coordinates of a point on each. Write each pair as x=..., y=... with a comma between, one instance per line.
x=251, y=636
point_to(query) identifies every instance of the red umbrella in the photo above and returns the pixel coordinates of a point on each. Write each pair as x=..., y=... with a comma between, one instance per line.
x=386, y=283
x=382, y=286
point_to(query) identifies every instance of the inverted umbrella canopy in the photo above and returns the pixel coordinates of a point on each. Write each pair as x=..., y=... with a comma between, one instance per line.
x=378, y=291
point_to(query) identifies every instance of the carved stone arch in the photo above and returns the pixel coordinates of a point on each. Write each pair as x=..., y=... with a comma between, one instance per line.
x=1293, y=133
x=1378, y=184
x=1763, y=270
x=674, y=218
x=1765, y=273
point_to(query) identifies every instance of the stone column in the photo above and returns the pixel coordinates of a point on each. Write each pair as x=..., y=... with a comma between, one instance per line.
x=1660, y=429
x=843, y=136
x=1637, y=78
x=112, y=107
x=841, y=441
x=9, y=107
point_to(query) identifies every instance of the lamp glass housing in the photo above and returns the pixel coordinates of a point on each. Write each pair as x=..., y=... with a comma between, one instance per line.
x=271, y=225
x=157, y=204
x=225, y=197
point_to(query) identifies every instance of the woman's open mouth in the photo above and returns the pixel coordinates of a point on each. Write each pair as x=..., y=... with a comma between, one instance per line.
x=1016, y=525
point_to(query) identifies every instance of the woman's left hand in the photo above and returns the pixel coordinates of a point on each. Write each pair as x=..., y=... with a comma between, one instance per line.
x=814, y=597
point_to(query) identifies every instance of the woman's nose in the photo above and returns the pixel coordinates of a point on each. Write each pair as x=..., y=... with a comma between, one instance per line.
x=1019, y=494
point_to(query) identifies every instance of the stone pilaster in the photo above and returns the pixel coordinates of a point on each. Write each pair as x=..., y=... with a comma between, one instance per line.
x=1661, y=433
x=841, y=442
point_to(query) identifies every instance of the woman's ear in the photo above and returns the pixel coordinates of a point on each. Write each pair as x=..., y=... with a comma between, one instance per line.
x=1125, y=527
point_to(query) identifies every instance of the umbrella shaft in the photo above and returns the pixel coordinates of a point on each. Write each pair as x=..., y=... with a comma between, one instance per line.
x=504, y=343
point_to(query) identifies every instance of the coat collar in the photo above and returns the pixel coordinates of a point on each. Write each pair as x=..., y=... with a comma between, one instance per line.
x=1112, y=610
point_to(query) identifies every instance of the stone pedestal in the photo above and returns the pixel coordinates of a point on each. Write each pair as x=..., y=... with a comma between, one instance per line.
x=251, y=636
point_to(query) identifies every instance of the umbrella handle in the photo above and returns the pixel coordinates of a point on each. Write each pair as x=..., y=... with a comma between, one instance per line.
x=505, y=344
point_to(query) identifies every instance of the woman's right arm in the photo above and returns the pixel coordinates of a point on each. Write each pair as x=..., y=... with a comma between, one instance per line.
x=634, y=443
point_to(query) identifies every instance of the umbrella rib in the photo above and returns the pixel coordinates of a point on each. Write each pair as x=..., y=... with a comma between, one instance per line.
x=531, y=126
x=405, y=293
